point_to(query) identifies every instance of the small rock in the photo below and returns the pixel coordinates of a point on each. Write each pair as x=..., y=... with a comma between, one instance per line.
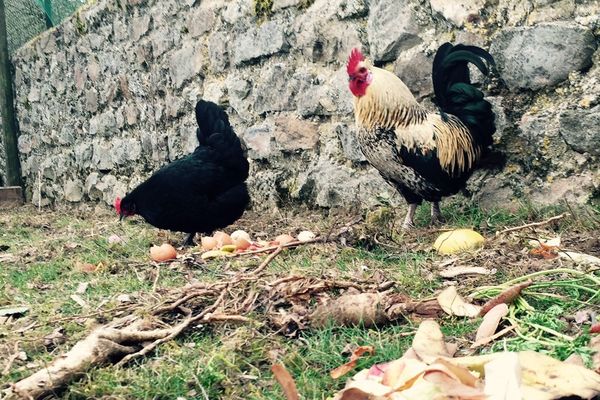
x=259, y=140
x=542, y=55
x=185, y=64
x=391, y=28
x=264, y=40
x=579, y=128
x=295, y=134
x=458, y=12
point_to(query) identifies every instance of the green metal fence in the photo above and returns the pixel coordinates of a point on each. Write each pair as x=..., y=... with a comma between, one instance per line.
x=26, y=19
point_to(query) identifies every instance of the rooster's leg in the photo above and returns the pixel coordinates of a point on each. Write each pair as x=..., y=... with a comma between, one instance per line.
x=189, y=241
x=410, y=214
x=436, y=213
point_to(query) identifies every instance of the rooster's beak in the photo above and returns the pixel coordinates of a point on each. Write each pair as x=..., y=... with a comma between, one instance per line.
x=121, y=216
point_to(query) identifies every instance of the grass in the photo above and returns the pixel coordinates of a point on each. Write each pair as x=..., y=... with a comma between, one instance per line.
x=50, y=249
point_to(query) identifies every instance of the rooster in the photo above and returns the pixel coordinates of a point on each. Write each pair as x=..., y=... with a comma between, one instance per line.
x=425, y=155
x=200, y=192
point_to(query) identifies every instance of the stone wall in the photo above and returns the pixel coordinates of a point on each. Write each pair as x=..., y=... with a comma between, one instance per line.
x=107, y=97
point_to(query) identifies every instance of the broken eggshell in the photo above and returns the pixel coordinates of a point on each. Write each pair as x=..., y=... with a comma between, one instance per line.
x=163, y=252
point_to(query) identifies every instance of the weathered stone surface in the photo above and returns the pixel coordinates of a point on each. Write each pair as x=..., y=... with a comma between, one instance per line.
x=139, y=26
x=295, y=134
x=555, y=11
x=347, y=136
x=91, y=100
x=581, y=130
x=73, y=191
x=574, y=190
x=264, y=40
x=281, y=4
x=276, y=89
x=237, y=9
x=218, y=51
x=543, y=55
x=414, y=68
x=200, y=21
x=260, y=141
x=103, y=124
x=391, y=28
x=185, y=64
x=458, y=12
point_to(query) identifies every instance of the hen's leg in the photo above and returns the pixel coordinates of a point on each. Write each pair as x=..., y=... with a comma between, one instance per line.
x=436, y=213
x=189, y=241
x=410, y=215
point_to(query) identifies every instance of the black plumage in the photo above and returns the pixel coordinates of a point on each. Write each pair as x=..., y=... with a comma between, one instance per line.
x=202, y=191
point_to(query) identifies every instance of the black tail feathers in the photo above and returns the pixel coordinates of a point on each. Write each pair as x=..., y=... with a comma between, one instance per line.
x=211, y=119
x=455, y=94
x=215, y=131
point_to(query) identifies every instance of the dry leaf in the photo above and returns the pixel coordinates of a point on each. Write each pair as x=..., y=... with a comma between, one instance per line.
x=85, y=267
x=490, y=322
x=356, y=354
x=462, y=373
x=453, y=304
x=579, y=258
x=452, y=388
x=82, y=287
x=453, y=272
x=503, y=377
x=77, y=299
x=428, y=342
x=554, y=242
x=286, y=381
x=582, y=316
x=55, y=338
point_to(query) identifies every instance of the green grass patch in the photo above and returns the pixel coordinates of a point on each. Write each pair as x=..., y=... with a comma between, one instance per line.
x=231, y=361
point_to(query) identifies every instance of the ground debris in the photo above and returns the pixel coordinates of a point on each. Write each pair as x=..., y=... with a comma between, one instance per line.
x=425, y=373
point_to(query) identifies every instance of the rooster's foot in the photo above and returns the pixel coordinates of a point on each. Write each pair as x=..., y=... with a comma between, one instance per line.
x=436, y=214
x=409, y=219
x=189, y=240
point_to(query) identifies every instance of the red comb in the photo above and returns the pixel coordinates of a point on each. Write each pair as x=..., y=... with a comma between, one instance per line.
x=355, y=57
x=118, y=205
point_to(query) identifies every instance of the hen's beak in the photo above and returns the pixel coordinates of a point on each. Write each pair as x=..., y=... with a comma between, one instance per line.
x=121, y=216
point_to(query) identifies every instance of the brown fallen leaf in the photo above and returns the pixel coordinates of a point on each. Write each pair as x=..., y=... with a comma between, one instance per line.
x=507, y=296
x=286, y=381
x=463, y=374
x=428, y=342
x=453, y=304
x=347, y=367
x=490, y=322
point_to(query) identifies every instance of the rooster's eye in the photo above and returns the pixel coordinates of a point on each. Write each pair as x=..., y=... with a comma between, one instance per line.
x=362, y=70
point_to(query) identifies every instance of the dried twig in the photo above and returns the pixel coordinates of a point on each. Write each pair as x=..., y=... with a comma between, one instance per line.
x=156, y=278
x=267, y=261
x=11, y=359
x=533, y=224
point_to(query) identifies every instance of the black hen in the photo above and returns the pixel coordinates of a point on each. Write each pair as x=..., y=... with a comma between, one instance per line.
x=200, y=192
